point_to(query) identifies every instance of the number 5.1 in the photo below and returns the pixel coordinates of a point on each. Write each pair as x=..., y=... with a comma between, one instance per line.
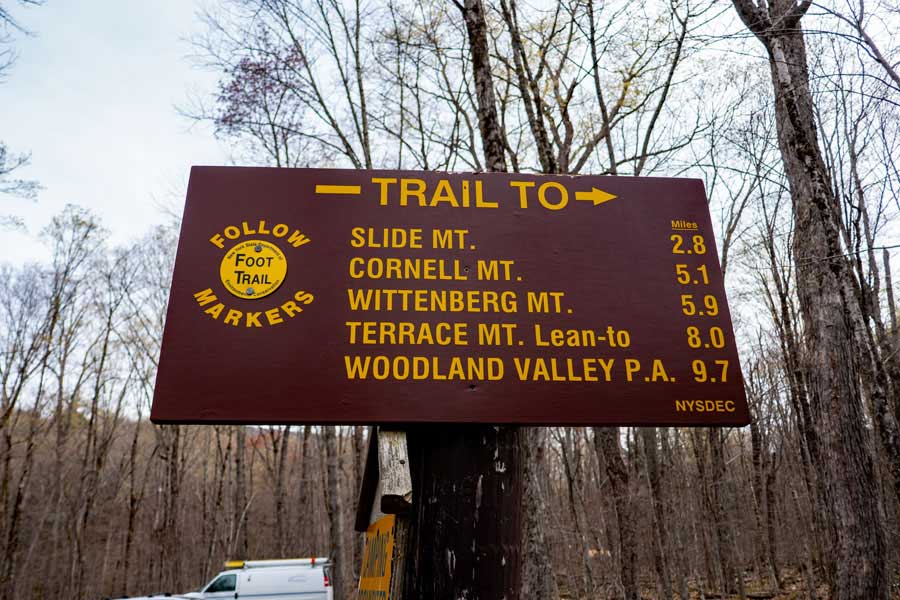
x=684, y=275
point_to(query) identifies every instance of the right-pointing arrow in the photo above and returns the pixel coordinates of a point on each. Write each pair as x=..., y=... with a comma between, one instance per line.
x=596, y=196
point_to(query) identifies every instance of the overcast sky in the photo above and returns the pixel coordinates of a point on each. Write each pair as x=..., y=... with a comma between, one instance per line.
x=92, y=97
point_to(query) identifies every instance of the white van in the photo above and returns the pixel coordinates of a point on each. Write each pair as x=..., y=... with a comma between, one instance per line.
x=288, y=579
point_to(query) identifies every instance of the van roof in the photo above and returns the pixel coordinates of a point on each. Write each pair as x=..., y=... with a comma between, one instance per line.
x=279, y=562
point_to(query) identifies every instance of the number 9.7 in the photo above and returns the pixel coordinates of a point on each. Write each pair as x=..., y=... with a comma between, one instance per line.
x=701, y=375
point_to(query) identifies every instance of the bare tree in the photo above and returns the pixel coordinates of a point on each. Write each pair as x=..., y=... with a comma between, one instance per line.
x=825, y=289
x=855, y=14
x=10, y=162
x=338, y=552
x=608, y=448
x=15, y=187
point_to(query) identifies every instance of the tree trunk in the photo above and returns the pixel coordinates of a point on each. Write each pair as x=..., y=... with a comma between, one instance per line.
x=784, y=316
x=660, y=533
x=335, y=509
x=824, y=288
x=770, y=529
x=571, y=457
x=303, y=493
x=712, y=563
x=240, y=543
x=763, y=479
x=279, y=450
x=492, y=137
x=724, y=541
x=359, y=461
x=538, y=581
x=606, y=440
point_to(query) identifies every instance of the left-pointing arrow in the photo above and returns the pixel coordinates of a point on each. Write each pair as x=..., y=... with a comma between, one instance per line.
x=339, y=189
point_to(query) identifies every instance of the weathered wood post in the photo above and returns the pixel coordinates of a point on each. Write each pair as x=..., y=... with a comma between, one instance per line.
x=465, y=526
x=385, y=500
x=460, y=534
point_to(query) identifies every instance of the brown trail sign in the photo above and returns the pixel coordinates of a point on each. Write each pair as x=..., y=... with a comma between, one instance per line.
x=420, y=299
x=341, y=296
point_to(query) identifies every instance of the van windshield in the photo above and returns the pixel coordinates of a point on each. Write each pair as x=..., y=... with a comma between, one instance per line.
x=225, y=583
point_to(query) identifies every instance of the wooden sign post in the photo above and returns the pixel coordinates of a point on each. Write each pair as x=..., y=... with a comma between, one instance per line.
x=460, y=536
x=386, y=497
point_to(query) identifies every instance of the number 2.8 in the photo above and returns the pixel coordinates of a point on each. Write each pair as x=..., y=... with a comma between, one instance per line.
x=698, y=245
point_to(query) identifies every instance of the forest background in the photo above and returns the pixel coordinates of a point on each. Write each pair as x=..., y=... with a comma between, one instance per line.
x=788, y=111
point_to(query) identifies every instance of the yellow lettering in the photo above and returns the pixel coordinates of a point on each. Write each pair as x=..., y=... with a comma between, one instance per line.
x=297, y=239
x=606, y=365
x=357, y=237
x=658, y=371
x=546, y=203
x=205, y=297
x=304, y=297
x=290, y=308
x=480, y=202
x=412, y=187
x=384, y=184
x=444, y=193
x=632, y=366
x=215, y=311
x=523, y=191
x=273, y=317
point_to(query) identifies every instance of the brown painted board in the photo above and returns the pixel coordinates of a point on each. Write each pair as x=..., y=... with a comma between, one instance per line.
x=345, y=296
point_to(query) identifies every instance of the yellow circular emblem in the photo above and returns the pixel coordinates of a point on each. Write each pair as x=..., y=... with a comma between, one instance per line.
x=253, y=269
